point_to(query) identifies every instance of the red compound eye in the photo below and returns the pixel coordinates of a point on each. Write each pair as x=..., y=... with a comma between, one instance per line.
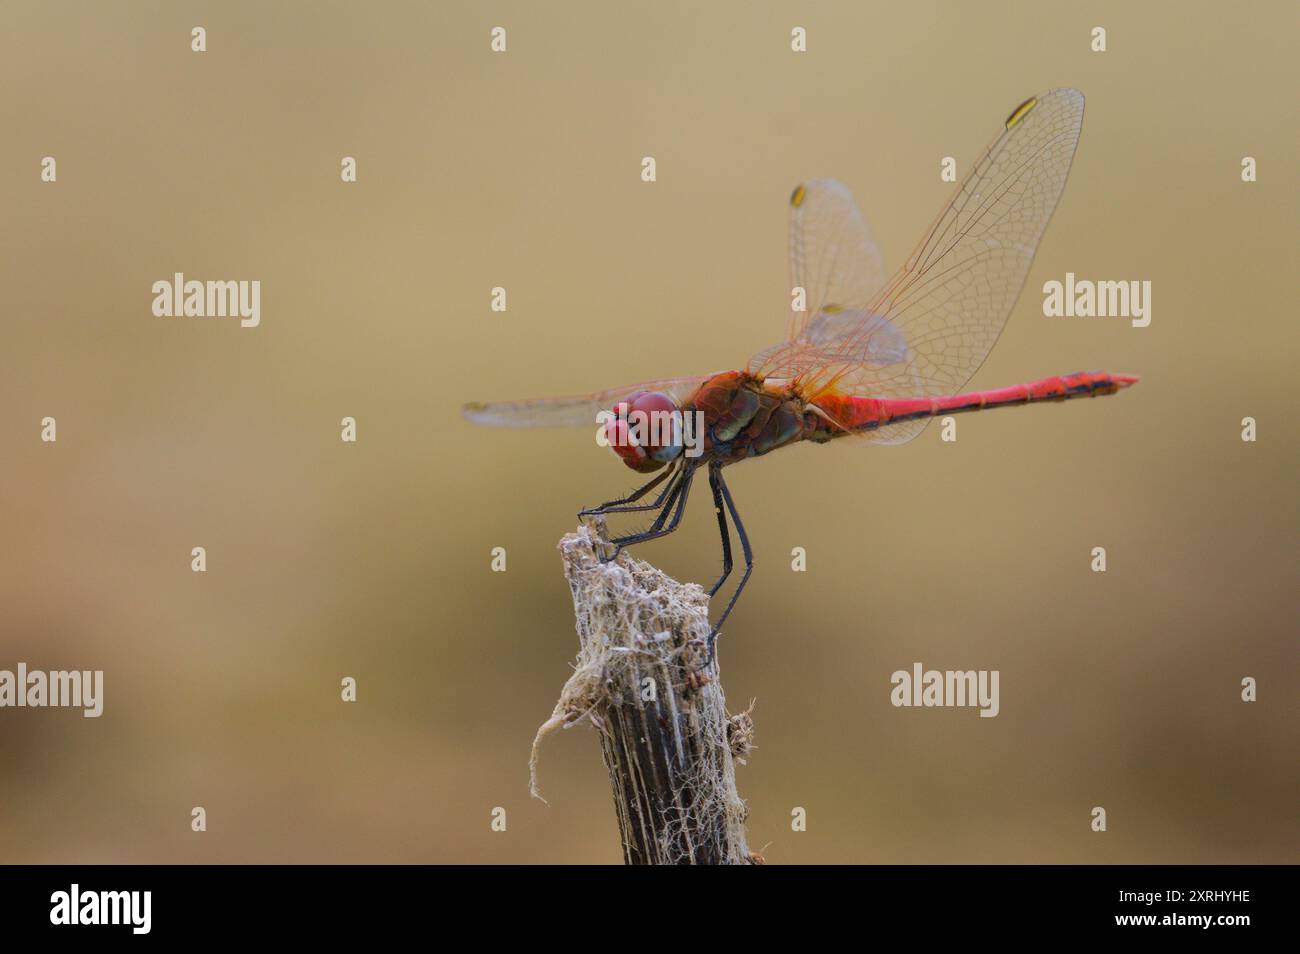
x=645, y=431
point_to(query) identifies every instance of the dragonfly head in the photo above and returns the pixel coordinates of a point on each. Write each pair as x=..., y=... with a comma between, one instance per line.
x=645, y=430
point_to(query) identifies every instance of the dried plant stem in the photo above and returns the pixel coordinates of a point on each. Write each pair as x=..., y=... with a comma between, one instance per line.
x=669, y=745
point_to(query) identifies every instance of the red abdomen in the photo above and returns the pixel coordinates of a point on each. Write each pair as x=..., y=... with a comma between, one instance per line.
x=850, y=414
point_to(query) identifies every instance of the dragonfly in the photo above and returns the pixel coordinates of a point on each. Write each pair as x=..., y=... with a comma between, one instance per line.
x=865, y=357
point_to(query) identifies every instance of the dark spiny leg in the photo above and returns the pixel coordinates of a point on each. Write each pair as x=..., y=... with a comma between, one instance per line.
x=749, y=568
x=616, y=506
x=678, y=498
x=673, y=492
x=714, y=474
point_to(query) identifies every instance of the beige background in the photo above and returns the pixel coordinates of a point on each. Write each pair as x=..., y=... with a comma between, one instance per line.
x=522, y=170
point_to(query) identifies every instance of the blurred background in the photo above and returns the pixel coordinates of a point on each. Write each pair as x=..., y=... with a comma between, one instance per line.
x=522, y=170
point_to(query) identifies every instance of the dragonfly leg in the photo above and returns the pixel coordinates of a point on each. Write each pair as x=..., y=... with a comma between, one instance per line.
x=715, y=473
x=664, y=503
x=618, y=506
x=749, y=568
x=676, y=503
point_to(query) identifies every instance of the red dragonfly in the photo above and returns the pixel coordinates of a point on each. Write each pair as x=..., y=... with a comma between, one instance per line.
x=864, y=357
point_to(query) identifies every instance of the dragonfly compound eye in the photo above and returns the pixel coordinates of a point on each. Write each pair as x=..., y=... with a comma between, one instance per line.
x=645, y=430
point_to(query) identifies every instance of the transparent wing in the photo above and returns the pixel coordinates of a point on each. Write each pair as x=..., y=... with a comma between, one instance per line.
x=952, y=298
x=950, y=301
x=574, y=410
x=899, y=433
x=832, y=258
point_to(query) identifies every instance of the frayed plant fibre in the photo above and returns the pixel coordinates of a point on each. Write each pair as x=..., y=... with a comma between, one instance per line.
x=669, y=745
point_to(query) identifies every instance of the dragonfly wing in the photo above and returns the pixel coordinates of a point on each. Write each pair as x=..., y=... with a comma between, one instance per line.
x=927, y=332
x=952, y=298
x=882, y=342
x=832, y=258
x=575, y=410
x=899, y=433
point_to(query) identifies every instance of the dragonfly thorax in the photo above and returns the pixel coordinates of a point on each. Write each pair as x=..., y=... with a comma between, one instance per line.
x=745, y=416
